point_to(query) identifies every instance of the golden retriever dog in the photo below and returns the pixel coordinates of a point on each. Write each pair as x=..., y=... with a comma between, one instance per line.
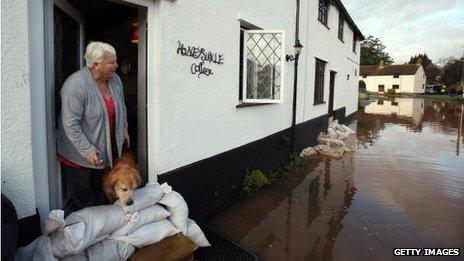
x=120, y=181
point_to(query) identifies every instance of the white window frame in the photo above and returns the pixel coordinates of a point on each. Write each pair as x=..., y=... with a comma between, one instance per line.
x=244, y=67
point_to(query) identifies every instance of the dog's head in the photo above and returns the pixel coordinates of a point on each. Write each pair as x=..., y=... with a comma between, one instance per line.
x=125, y=179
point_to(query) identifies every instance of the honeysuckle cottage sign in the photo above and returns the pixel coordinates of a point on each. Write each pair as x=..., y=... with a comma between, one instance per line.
x=201, y=54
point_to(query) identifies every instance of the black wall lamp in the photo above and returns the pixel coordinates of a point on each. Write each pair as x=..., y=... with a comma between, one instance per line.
x=297, y=51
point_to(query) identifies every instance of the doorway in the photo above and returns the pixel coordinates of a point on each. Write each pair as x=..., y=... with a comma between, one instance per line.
x=331, y=93
x=75, y=23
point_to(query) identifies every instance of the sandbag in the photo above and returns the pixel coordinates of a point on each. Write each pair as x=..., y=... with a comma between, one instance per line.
x=110, y=250
x=86, y=227
x=106, y=250
x=176, y=204
x=39, y=250
x=195, y=234
x=143, y=198
x=138, y=219
x=150, y=233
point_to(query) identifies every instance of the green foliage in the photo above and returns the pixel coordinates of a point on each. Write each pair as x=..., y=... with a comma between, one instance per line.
x=295, y=161
x=372, y=51
x=432, y=71
x=453, y=70
x=258, y=179
x=424, y=58
x=254, y=181
x=391, y=92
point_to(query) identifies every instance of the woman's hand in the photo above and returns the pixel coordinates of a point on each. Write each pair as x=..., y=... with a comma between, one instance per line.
x=126, y=138
x=93, y=158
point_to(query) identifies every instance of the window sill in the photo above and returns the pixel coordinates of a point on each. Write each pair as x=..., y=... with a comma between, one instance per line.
x=319, y=103
x=251, y=104
x=326, y=26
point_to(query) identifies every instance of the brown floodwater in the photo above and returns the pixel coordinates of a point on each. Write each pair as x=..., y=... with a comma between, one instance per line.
x=403, y=187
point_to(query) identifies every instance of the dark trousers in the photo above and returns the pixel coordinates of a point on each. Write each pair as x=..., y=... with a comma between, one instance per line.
x=84, y=186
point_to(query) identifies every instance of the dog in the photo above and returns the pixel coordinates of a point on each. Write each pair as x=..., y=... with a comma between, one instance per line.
x=120, y=181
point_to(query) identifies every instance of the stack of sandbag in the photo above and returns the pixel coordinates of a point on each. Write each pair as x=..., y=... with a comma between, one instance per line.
x=331, y=143
x=150, y=223
x=113, y=232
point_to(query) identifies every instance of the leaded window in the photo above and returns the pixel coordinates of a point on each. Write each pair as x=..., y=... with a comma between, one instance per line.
x=323, y=11
x=319, y=82
x=263, y=66
x=340, y=27
x=354, y=43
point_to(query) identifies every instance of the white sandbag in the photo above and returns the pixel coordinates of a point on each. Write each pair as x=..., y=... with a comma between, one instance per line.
x=195, y=234
x=39, y=250
x=143, y=198
x=86, y=227
x=110, y=250
x=331, y=133
x=54, y=222
x=150, y=233
x=176, y=204
x=309, y=151
x=106, y=250
x=334, y=124
x=138, y=219
x=79, y=257
x=348, y=129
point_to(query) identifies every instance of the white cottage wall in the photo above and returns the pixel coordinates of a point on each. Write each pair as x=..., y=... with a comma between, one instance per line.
x=199, y=113
x=199, y=117
x=16, y=142
x=324, y=44
x=420, y=80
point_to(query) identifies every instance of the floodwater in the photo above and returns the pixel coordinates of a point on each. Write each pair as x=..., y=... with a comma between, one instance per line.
x=403, y=187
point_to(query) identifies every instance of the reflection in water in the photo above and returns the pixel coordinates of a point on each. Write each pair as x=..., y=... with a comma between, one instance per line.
x=403, y=187
x=412, y=109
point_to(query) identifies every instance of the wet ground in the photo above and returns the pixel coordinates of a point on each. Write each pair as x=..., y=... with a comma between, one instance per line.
x=403, y=187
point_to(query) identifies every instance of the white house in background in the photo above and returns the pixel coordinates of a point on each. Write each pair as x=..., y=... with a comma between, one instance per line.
x=208, y=89
x=405, y=78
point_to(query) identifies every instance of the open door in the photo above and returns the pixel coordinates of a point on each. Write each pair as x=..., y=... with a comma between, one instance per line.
x=331, y=93
x=65, y=53
x=65, y=44
x=142, y=141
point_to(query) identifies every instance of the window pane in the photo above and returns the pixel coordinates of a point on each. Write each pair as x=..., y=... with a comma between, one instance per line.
x=319, y=82
x=263, y=65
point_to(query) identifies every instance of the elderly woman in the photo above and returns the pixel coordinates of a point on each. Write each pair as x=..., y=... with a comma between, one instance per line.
x=93, y=125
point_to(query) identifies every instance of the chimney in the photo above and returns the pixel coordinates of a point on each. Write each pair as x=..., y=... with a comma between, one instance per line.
x=381, y=64
x=419, y=61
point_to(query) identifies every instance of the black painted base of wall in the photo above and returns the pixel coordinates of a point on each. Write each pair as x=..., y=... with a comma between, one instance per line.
x=350, y=118
x=209, y=184
x=340, y=115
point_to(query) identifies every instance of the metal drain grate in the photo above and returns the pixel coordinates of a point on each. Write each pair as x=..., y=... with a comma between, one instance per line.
x=222, y=249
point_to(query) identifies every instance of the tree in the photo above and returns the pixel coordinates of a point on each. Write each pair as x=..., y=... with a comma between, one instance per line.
x=432, y=71
x=372, y=51
x=452, y=70
x=425, y=60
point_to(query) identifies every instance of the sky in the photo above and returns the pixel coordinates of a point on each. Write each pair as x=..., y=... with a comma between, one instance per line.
x=410, y=27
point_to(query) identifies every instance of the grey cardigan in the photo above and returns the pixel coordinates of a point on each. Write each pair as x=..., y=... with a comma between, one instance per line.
x=84, y=125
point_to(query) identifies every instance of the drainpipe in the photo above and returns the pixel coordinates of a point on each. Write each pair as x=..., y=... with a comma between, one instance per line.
x=297, y=50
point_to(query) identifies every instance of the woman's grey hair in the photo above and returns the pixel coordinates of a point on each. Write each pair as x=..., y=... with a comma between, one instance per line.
x=95, y=52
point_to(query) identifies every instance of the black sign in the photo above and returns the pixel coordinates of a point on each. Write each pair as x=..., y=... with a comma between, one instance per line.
x=199, y=53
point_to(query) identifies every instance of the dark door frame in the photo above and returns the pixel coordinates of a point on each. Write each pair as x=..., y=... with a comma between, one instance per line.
x=331, y=92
